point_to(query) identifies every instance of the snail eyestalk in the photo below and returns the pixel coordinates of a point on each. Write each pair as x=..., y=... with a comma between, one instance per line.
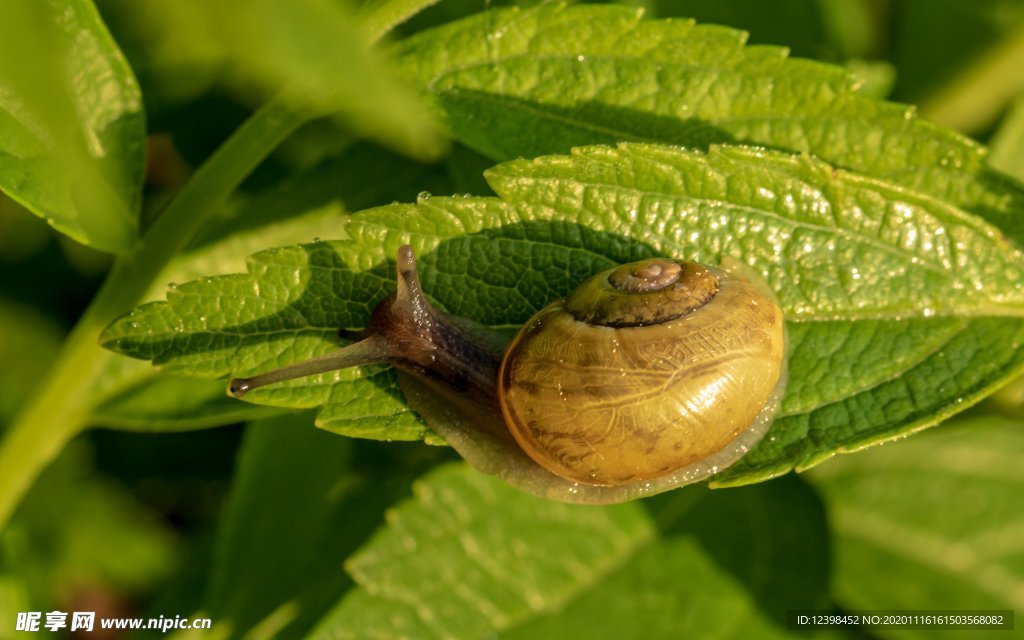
x=407, y=332
x=408, y=307
x=371, y=350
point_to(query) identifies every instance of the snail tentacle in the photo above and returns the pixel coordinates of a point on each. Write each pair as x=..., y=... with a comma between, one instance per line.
x=405, y=331
x=370, y=350
x=406, y=313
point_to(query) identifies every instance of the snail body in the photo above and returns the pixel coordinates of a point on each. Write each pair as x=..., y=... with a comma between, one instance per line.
x=647, y=377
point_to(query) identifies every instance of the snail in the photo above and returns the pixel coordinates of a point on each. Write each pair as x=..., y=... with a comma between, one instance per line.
x=648, y=376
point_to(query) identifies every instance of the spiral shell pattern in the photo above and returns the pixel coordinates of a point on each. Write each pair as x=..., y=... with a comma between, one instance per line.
x=643, y=371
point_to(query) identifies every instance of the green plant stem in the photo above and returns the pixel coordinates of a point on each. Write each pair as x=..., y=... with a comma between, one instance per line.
x=60, y=409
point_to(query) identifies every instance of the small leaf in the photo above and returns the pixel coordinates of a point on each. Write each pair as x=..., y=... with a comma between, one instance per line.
x=72, y=133
x=915, y=301
x=1008, y=142
x=897, y=549
x=875, y=77
x=580, y=75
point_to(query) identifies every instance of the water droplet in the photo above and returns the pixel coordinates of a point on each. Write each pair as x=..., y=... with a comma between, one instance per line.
x=423, y=196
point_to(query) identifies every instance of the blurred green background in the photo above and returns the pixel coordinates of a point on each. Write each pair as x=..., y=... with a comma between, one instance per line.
x=125, y=523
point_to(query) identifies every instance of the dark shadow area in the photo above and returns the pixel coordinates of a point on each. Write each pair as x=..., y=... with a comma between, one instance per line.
x=771, y=537
x=471, y=116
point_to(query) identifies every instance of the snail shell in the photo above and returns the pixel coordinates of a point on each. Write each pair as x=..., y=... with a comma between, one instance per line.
x=617, y=385
x=648, y=376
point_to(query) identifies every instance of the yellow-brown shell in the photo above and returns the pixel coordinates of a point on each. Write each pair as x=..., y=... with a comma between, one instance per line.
x=654, y=383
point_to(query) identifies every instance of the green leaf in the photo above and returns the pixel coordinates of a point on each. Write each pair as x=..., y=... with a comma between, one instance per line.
x=316, y=50
x=469, y=556
x=573, y=76
x=72, y=131
x=135, y=396
x=314, y=53
x=923, y=297
x=303, y=500
x=876, y=77
x=930, y=523
x=1008, y=142
x=172, y=403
